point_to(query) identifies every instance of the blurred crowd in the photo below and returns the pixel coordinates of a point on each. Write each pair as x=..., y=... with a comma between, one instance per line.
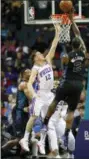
x=15, y=56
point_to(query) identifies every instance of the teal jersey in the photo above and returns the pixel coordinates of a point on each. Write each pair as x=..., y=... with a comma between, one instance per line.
x=22, y=100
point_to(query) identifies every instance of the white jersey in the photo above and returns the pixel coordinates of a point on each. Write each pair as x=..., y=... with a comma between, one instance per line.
x=45, y=77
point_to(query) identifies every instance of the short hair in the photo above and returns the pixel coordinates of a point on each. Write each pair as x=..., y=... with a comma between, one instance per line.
x=76, y=43
x=33, y=55
x=22, y=72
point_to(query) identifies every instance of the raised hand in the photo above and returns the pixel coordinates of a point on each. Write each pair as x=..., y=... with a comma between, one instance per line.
x=57, y=27
x=71, y=14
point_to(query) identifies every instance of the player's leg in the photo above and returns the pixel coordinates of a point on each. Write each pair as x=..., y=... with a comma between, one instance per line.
x=34, y=149
x=75, y=89
x=25, y=141
x=47, y=101
x=10, y=144
x=71, y=145
x=60, y=129
x=53, y=141
x=36, y=111
x=60, y=95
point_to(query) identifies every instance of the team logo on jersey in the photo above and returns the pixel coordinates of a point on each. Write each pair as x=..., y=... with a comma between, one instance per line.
x=77, y=58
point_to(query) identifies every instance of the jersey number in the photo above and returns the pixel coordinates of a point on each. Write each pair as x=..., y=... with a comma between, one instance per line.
x=48, y=77
x=77, y=66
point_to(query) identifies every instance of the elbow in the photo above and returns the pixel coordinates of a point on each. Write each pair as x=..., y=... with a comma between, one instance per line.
x=29, y=85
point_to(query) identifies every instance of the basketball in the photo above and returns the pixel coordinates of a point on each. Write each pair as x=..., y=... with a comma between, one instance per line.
x=66, y=5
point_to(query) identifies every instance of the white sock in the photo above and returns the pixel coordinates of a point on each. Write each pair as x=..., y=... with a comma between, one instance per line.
x=34, y=149
x=26, y=135
x=43, y=136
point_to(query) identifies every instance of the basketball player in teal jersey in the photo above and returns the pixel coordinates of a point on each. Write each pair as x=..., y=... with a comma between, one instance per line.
x=23, y=98
x=19, y=116
x=71, y=84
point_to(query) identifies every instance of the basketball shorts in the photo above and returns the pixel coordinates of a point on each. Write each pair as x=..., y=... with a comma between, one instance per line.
x=56, y=130
x=70, y=92
x=39, y=105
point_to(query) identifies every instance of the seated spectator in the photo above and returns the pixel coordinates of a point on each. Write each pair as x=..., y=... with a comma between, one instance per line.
x=5, y=48
x=40, y=45
x=12, y=89
x=20, y=46
x=3, y=110
x=3, y=80
x=78, y=119
x=20, y=62
x=12, y=45
x=25, y=49
x=9, y=61
x=10, y=75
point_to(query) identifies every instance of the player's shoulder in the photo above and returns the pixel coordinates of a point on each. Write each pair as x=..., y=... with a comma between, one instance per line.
x=36, y=67
x=22, y=85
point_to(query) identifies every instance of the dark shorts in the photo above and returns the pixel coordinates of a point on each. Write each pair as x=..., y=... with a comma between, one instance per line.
x=70, y=92
x=20, y=119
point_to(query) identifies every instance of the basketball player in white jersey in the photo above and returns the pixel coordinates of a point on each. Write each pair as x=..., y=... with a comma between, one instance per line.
x=42, y=71
x=56, y=130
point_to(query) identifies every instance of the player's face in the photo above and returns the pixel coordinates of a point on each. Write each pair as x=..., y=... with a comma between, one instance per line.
x=39, y=56
x=81, y=111
x=27, y=73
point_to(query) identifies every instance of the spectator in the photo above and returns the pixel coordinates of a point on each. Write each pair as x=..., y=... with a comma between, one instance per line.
x=5, y=32
x=10, y=75
x=12, y=88
x=5, y=8
x=8, y=49
x=20, y=62
x=23, y=48
x=15, y=15
x=78, y=119
x=3, y=81
x=40, y=45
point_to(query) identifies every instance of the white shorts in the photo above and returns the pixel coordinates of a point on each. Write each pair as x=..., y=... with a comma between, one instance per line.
x=39, y=106
x=56, y=131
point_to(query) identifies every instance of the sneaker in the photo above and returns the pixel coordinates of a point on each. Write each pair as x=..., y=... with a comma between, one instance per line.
x=41, y=148
x=70, y=156
x=53, y=156
x=24, y=145
x=57, y=156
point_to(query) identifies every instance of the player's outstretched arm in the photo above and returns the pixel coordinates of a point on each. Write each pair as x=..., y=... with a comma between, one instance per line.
x=77, y=31
x=31, y=81
x=51, y=52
